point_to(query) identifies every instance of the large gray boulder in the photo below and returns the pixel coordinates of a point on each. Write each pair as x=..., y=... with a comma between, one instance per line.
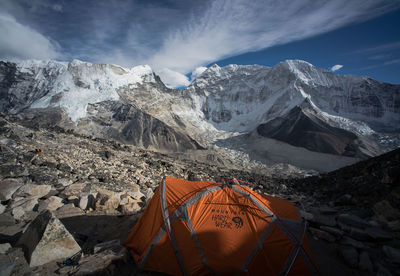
x=8, y=187
x=46, y=239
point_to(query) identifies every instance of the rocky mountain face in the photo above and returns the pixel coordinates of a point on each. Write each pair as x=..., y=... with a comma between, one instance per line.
x=63, y=190
x=294, y=103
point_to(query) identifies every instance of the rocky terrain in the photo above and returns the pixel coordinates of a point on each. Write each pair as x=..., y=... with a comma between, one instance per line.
x=84, y=146
x=82, y=194
x=237, y=111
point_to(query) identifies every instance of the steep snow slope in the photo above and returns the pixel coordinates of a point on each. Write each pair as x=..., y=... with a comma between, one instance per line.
x=239, y=98
x=71, y=86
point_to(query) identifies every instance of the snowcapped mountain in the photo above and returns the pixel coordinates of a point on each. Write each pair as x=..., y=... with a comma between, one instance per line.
x=293, y=102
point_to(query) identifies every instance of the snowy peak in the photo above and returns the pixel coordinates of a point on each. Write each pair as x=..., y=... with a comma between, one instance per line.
x=71, y=86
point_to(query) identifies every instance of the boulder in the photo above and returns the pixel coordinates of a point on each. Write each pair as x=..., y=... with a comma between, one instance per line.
x=350, y=255
x=75, y=189
x=385, y=211
x=68, y=210
x=13, y=171
x=33, y=190
x=378, y=234
x=345, y=199
x=87, y=201
x=306, y=215
x=7, y=219
x=51, y=204
x=392, y=253
x=136, y=193
x=110, y=258
x=65, y=182
x=356, y=233
x=13, y=263
x=365, y=262
x=149, y=194
x=323, y=220
x=20, y=207
x=46, y=239
x=332, y=230
x=352, y=220
x=2, y=208
x=8, y=187
x=322, y=234
x=349, y=241
x=131, y=207
x=4, y=247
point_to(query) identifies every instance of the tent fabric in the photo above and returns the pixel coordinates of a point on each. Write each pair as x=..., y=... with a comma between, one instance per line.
x=209, y=228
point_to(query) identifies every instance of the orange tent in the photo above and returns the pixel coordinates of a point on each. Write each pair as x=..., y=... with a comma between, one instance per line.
x=208, y=228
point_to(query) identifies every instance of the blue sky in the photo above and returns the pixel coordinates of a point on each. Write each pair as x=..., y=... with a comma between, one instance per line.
x=178, y=37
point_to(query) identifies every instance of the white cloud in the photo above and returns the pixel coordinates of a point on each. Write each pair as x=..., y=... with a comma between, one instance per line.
x=180, y=35
x=229, y=28
x=22, y=42
x=173, y=79
x=336, y=67
x=197, y=72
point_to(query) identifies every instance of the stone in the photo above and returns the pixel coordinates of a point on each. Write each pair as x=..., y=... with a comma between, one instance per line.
x=46, y=239
x=13, y=171
x=68, y=210
x=394, y=225
x=51, y=204
x=112, y=203
x=382, y=271
x=322, y=234
x=353, y=220
x=327, y=210
x=106, y=245
x=18, y=212
x=110, y=260
x=332, y=230
x=133, y=206
x=86, y=202
x=136, y=193
x=4, y=247
x=65, y=182
x=7, y=219
x=13, y=263
x=74, y=189
x=354, y=232
x=392, y=253
x=149, y=194
x=365, y=262
x=306, y=215
x=33, y=190
x=20, y=207
x=2, y=208
x=345, y=199
x=323, y=220
x=350, y=255
x=349, y=241
x=385, y=211
x=8, y=187
x=378, y=234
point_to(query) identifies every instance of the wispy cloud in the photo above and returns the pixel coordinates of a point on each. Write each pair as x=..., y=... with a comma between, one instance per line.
x=180, y=35
x=336, y=67
x=22, y=42
x=394, y=61
x=381, y=48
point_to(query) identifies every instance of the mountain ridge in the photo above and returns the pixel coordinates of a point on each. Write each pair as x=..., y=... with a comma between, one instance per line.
x=220, y=103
